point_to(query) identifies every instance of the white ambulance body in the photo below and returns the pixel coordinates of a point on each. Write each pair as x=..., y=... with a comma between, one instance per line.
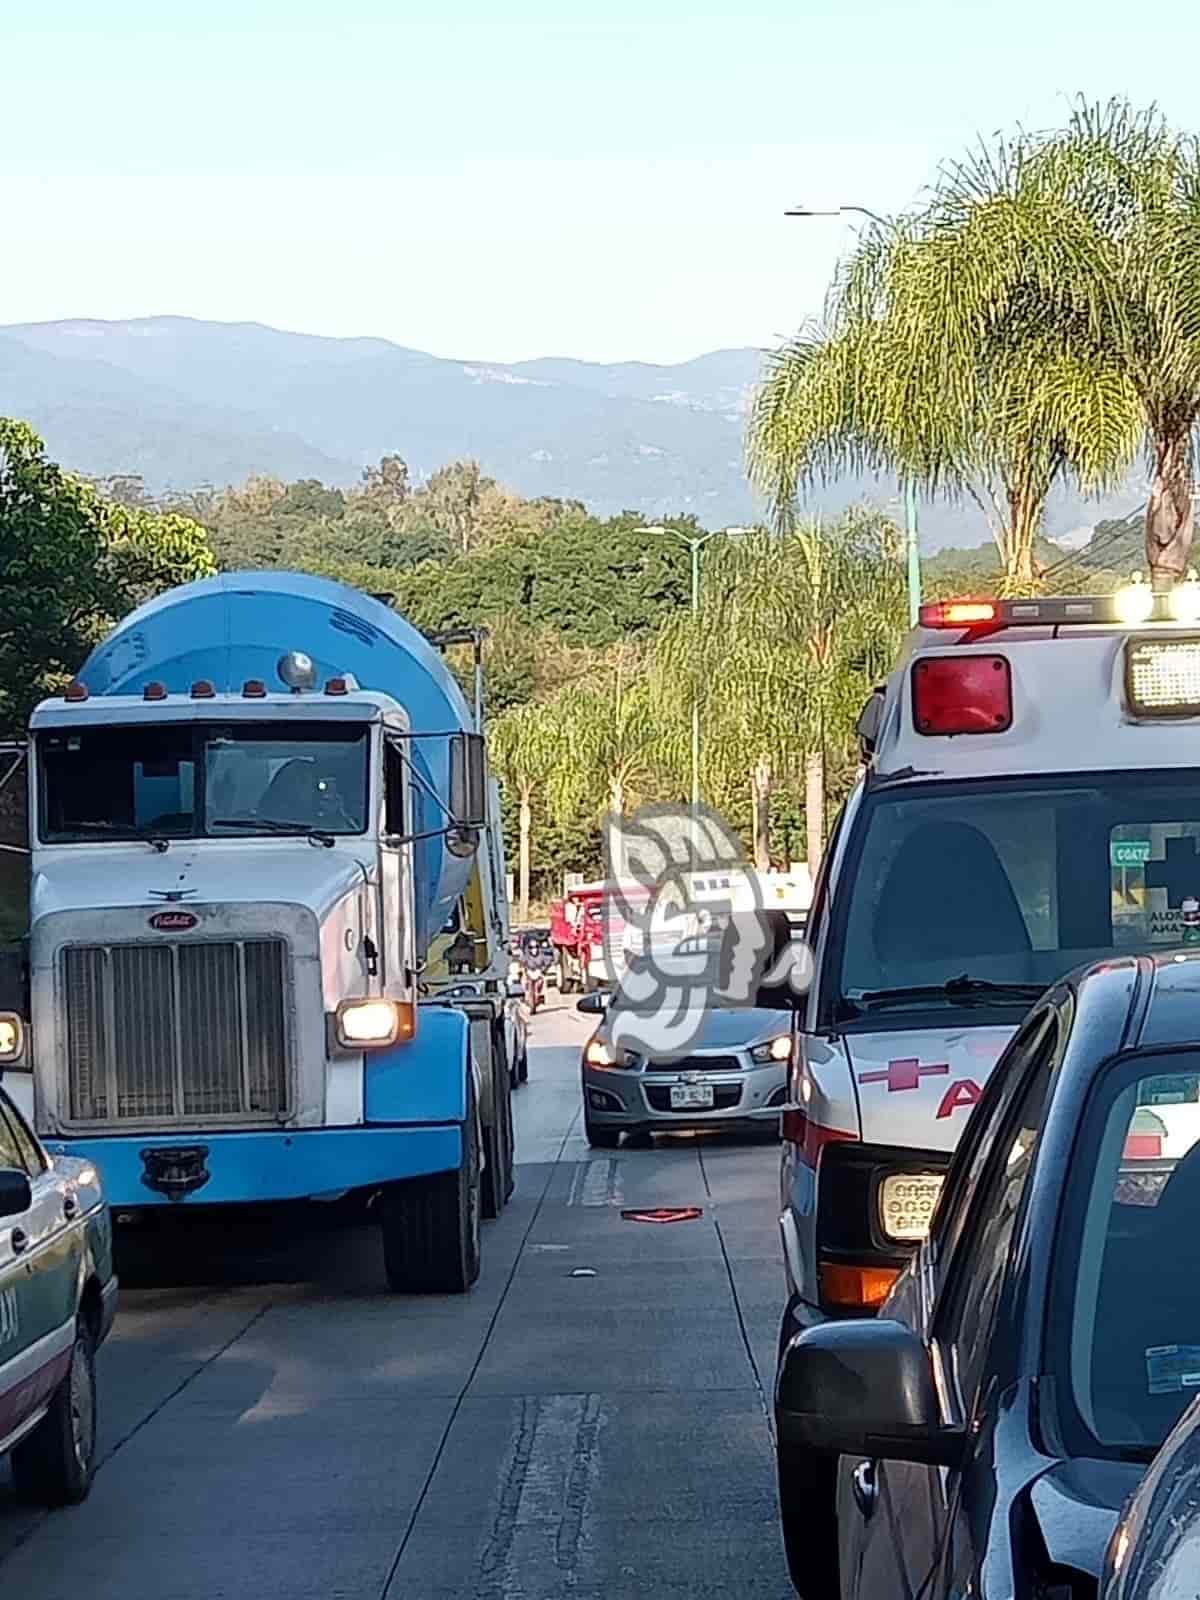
x=1030, y=802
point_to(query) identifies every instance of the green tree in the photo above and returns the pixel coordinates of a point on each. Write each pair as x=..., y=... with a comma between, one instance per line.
x=526, y=744
x=71, y=563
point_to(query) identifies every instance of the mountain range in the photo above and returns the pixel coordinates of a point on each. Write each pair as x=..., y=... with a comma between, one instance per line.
x=184, y=403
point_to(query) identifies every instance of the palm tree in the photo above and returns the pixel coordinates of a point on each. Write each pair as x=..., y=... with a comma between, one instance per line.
x=526, y=745
x=953, y=355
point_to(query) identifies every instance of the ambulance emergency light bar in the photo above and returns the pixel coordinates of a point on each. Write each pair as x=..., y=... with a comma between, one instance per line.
x=1131, y=605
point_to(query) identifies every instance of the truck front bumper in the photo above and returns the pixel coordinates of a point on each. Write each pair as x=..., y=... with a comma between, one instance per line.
x=262, y=1167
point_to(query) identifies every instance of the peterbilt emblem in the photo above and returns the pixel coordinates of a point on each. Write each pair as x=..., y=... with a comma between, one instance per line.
x=173, y=921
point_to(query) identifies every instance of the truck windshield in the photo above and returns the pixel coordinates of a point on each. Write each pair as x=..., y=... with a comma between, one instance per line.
x=202, y=779
x=979, y=895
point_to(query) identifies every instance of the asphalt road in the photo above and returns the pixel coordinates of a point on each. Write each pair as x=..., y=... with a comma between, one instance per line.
x=591, y=1421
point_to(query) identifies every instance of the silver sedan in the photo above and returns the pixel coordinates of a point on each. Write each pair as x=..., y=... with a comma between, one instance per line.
x=734, y=1073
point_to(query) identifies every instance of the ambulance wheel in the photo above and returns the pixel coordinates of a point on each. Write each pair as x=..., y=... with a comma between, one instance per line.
x=431, y=1225
x=807, y=1500
x=54, y=1465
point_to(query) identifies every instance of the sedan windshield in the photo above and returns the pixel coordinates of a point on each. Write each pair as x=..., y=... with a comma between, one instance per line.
x=182, y=780
x=958, y=887
x=1130, y=1340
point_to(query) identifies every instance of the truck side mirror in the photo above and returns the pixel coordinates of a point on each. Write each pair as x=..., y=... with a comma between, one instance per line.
x=468, y=780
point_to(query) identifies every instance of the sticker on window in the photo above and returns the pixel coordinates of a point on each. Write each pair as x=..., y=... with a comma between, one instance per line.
x=1172, y=1367
x=1155, y=883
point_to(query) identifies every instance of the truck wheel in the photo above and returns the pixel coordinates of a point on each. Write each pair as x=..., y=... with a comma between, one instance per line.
x=431, y=1225
x=54, y=1465
x=600, y=1138
x=807, y=1503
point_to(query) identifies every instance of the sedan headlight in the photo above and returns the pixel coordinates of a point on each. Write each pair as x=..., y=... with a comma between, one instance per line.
x=369, y=1024
x=774, y=1052
x=12, y=1038
x=599, y=1054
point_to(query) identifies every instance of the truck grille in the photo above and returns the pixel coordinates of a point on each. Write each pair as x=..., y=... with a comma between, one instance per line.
x=176, y=1032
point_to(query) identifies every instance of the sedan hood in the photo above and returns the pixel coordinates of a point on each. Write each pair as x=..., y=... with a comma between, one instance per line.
x=1077, y=1504
x=716, y=1029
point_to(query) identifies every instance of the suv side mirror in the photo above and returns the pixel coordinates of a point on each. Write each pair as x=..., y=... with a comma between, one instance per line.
x=594, y=1004
x=16, y=1195
x=863, y=1388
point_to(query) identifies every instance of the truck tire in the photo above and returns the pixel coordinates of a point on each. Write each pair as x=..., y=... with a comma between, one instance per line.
x=807, y=1500
x=523, y=1064
x=54, y=1465
x=498, y=1141
x=431, y=1225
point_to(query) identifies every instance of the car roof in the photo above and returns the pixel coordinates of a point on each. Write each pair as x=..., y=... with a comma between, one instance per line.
x=1149, y=1000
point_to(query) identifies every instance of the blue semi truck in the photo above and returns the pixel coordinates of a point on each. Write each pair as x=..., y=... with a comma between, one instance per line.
x=264, y=843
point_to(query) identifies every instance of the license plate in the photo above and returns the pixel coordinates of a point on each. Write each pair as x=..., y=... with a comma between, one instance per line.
x=906, y=1203
x=691, y=1096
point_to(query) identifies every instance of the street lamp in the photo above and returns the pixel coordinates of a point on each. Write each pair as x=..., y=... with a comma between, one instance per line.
x=910, y=489
x=694, y=542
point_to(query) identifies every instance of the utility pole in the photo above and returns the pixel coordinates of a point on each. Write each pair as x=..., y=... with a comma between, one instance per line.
x=911, y=533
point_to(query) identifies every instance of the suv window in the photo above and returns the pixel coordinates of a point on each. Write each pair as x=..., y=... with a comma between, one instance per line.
x=32, y=1158
x=11, y=1154
x=977, y=1271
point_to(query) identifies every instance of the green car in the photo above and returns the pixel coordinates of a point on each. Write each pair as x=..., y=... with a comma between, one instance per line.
x=58, y=1297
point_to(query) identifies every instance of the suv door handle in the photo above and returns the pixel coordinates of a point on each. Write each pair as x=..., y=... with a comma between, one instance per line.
x=70, y=1206
x=18, y=1238
x=866, y=1490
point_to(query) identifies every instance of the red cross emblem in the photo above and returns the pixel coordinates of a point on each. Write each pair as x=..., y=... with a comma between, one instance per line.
x=905, y=1074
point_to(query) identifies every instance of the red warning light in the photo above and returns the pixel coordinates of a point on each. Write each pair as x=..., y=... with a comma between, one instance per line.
x=962, y=694
x=958, y=613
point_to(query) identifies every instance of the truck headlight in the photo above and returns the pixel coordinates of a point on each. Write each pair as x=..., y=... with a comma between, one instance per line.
x=367, y=1024
x=773, y=1052
x=12, y=1038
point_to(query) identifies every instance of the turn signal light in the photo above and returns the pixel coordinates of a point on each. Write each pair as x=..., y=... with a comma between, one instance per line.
x=962, y=694
x=857, y=1288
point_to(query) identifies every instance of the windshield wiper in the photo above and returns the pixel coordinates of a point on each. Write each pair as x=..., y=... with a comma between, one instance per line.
x=124, y=830
x=270, y=825
x=963, y=990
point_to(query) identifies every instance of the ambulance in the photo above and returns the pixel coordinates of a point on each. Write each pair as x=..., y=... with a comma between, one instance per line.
x=1029, y=801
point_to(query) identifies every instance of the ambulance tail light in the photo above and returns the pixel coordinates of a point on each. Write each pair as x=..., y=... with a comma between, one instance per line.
x=962, y=694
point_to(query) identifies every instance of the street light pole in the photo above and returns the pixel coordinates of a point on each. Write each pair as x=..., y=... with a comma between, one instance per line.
x=911, y=530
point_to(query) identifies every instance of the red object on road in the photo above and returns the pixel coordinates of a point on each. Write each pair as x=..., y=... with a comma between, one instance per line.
x=664, y=1214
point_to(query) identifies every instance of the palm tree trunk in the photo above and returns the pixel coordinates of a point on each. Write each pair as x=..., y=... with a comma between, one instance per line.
x=1169, y=510
x=1024, y=519
x=814, y=808
x=616, y=797
x=760, y=800
x=525, y=822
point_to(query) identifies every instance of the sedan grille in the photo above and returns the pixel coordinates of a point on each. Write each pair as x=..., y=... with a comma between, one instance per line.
x=177, y=1032
x=697, y=1064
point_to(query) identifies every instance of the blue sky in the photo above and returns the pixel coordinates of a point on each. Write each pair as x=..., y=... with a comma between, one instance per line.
x=507, y=180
